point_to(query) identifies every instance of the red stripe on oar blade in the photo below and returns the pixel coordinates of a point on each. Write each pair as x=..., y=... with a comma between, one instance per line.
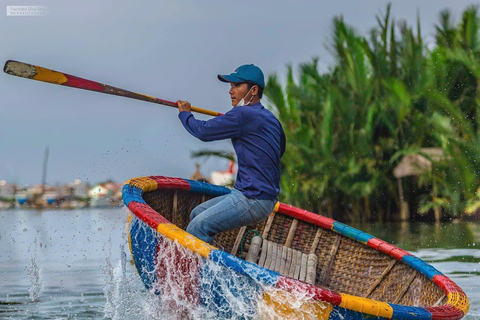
x=81, y=83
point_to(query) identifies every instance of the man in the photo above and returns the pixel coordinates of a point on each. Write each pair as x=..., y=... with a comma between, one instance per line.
x=259, y=143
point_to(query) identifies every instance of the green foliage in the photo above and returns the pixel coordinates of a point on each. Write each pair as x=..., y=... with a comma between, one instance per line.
x=384, y=97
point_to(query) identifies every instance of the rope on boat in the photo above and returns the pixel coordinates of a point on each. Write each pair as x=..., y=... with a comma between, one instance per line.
x=245, y=236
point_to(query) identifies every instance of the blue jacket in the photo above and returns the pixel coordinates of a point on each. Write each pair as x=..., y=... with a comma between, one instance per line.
x=258, y=140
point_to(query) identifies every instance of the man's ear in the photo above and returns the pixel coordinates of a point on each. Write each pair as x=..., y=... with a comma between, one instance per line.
x=254, y=90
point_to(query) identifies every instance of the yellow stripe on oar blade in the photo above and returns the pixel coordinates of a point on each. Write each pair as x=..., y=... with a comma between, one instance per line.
x=34, y=72
x=47, y=75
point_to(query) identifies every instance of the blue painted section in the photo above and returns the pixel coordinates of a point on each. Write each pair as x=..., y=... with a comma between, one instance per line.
x=252, y=270
x=144, y=249
x=226, y=294
x=207, y=188
x=344, y=314
x=22, y=201
x=421, y=266
x=131, y=193
x=351, y=232
x=410, y=313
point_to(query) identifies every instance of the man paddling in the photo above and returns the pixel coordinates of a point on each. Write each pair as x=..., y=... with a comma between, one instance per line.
x=259, y=142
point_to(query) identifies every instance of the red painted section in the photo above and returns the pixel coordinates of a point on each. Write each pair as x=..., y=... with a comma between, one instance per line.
x=446, y=284
x=387, y=248
x=320, y=294
x=325, y=222
x=446, y=312
x=305, y=215
x=147, y=214
x=171, y=183
x=81, y=83
x=167, y=102
x=181, y=272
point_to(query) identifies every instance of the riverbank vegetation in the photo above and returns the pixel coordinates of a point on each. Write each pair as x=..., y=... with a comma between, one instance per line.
x=387, y=95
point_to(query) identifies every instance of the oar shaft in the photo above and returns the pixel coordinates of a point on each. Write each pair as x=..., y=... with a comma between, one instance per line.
x=33, y=72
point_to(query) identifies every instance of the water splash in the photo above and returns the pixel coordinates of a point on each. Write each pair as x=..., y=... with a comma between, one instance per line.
x=279, y=304
x=192, y=287
x=121, y=299
x=228, y=295
x=36, y=280
x=125, y=295
x=224, y=294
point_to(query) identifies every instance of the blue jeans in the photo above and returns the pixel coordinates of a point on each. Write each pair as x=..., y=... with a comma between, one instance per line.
x=225, y=213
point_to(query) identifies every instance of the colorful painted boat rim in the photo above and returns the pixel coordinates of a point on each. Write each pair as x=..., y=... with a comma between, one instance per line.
x=457, y=303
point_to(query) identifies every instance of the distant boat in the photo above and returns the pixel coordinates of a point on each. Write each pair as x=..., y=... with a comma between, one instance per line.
x=21, y=198
x=295, y=265
x=104, y=195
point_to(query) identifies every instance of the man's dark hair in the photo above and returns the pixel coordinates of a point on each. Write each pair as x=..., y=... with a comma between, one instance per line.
x=260, y=89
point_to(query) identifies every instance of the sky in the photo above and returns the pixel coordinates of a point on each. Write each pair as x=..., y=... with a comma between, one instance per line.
x=168, y=49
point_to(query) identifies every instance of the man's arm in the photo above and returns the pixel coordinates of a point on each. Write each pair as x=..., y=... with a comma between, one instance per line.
x=221, y=127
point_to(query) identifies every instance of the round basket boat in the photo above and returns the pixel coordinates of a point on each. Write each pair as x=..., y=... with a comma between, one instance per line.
x=296, y=264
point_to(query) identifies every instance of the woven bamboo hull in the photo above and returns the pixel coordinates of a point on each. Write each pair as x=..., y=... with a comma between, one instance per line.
x=357, y=275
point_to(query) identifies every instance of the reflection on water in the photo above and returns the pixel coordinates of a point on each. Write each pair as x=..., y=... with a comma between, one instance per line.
x=76, y=265
x=410, y=236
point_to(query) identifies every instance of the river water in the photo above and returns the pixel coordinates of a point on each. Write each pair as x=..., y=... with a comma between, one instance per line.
x=75, y=264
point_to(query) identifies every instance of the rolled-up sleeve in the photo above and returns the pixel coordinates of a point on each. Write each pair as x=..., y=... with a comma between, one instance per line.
x=222, y=127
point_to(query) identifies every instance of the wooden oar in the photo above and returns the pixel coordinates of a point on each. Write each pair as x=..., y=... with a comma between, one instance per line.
x=29, y=71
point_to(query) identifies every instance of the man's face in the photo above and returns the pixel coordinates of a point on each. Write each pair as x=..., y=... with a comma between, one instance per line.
x=237, y=92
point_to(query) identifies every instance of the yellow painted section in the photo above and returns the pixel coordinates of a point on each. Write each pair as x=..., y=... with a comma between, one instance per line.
x=459, y=301
x=204, y=111
x=184, y=238
x=279, y=304
x=194, y=109
x=48, y=75
x=145, y=183
x=277, y=205
x=365, y=305
x=146, y=96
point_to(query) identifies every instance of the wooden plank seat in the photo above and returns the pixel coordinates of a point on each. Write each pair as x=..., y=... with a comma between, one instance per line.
x=282, y=259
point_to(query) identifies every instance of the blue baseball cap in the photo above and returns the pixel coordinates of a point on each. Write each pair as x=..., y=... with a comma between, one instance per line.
x=246, y=73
